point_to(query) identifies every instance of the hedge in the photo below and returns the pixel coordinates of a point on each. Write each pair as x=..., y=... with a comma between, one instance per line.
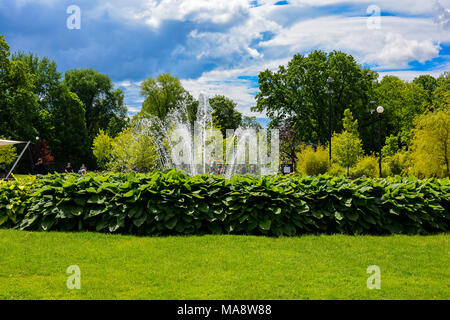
x=170, y=202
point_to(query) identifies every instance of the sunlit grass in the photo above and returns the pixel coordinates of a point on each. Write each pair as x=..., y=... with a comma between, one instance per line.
x=33, y=266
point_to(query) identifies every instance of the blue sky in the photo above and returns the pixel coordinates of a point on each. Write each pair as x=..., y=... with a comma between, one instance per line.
x=219, y=47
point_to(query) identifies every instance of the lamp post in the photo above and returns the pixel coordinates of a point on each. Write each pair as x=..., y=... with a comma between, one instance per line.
x=329, y=91
x=372, y=113
x=380, y=111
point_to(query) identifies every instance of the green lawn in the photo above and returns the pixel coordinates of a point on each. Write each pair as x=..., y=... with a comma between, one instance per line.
x=33, y=266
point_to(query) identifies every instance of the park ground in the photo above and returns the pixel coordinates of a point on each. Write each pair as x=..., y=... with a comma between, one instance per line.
x=33, y=265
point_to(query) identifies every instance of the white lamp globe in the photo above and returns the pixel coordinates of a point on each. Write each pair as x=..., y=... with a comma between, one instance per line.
x=380, y=109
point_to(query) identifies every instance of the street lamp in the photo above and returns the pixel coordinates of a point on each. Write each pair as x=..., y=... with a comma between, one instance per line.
x=372, y=113
x=380, y=111
x=329, y=91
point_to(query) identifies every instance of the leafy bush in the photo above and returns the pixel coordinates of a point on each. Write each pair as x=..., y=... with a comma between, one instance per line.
x=164, y=203
x=312, y=162
x=336, y=170
x=125, y=152
x=397, y=164
x=366, y=166
x=7, y=156
x=13, y=202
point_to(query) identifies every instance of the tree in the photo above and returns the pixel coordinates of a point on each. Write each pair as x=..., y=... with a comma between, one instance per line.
x=402, y=103
x=430, y=145
x=19, y=103
x=349, y=124
x=251, y=122
x=116, y=125
x=428, y=83
x=347, y=148
x=101, y=102
x=130, y=152
x=46, y=76
x=225, y=114
x=289, y=141
x=70, y=140
x=61, y=116
x=298, y=93
x=162, y=95
x=191, y=108
x=441, y=99
x=102, y=148
x=127, y=151
x=391, y=146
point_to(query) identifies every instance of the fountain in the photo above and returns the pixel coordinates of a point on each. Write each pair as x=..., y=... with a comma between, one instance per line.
x=198, y=148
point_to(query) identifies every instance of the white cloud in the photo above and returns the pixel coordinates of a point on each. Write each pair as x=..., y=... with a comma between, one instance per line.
x=416, y=33
x=398, y=41
x=154, y=12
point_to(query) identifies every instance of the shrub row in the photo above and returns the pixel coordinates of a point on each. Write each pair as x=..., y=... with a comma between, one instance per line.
x=164, y=203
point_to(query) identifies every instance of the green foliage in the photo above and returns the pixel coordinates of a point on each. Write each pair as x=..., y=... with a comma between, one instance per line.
x=391, y=146
x=170, y=202
x=7, y=156
x=60, y=117
x=251, y=122
x=102, y=148
x=441, y=99
x=297, y=92
x=430, y=146
x=312, y=162
x=428, y=83
x=162, y=95
x=366, y=166
x=125, y=152
x=225, y=114
x=397, y=164
x=346, y=150
x=13, y=202
x=69, y=140
x=19, y=103
x=336, y=170
x=402, y=102
x=101, y=102
x=349, y=124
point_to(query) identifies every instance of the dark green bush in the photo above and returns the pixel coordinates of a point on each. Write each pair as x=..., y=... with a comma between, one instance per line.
x=170, y=202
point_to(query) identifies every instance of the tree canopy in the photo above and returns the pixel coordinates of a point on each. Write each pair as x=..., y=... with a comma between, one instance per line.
x=162, y=94
x=225, y=114
x=298, y=92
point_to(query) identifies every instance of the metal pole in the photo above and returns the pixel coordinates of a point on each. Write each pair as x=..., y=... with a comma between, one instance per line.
x=329, y=123
x=17, y=160
x=379, y=144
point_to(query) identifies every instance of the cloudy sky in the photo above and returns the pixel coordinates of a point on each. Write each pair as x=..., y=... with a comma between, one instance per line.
x=220, y=46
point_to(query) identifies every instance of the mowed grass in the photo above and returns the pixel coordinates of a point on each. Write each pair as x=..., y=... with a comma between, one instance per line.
x=33, y=266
